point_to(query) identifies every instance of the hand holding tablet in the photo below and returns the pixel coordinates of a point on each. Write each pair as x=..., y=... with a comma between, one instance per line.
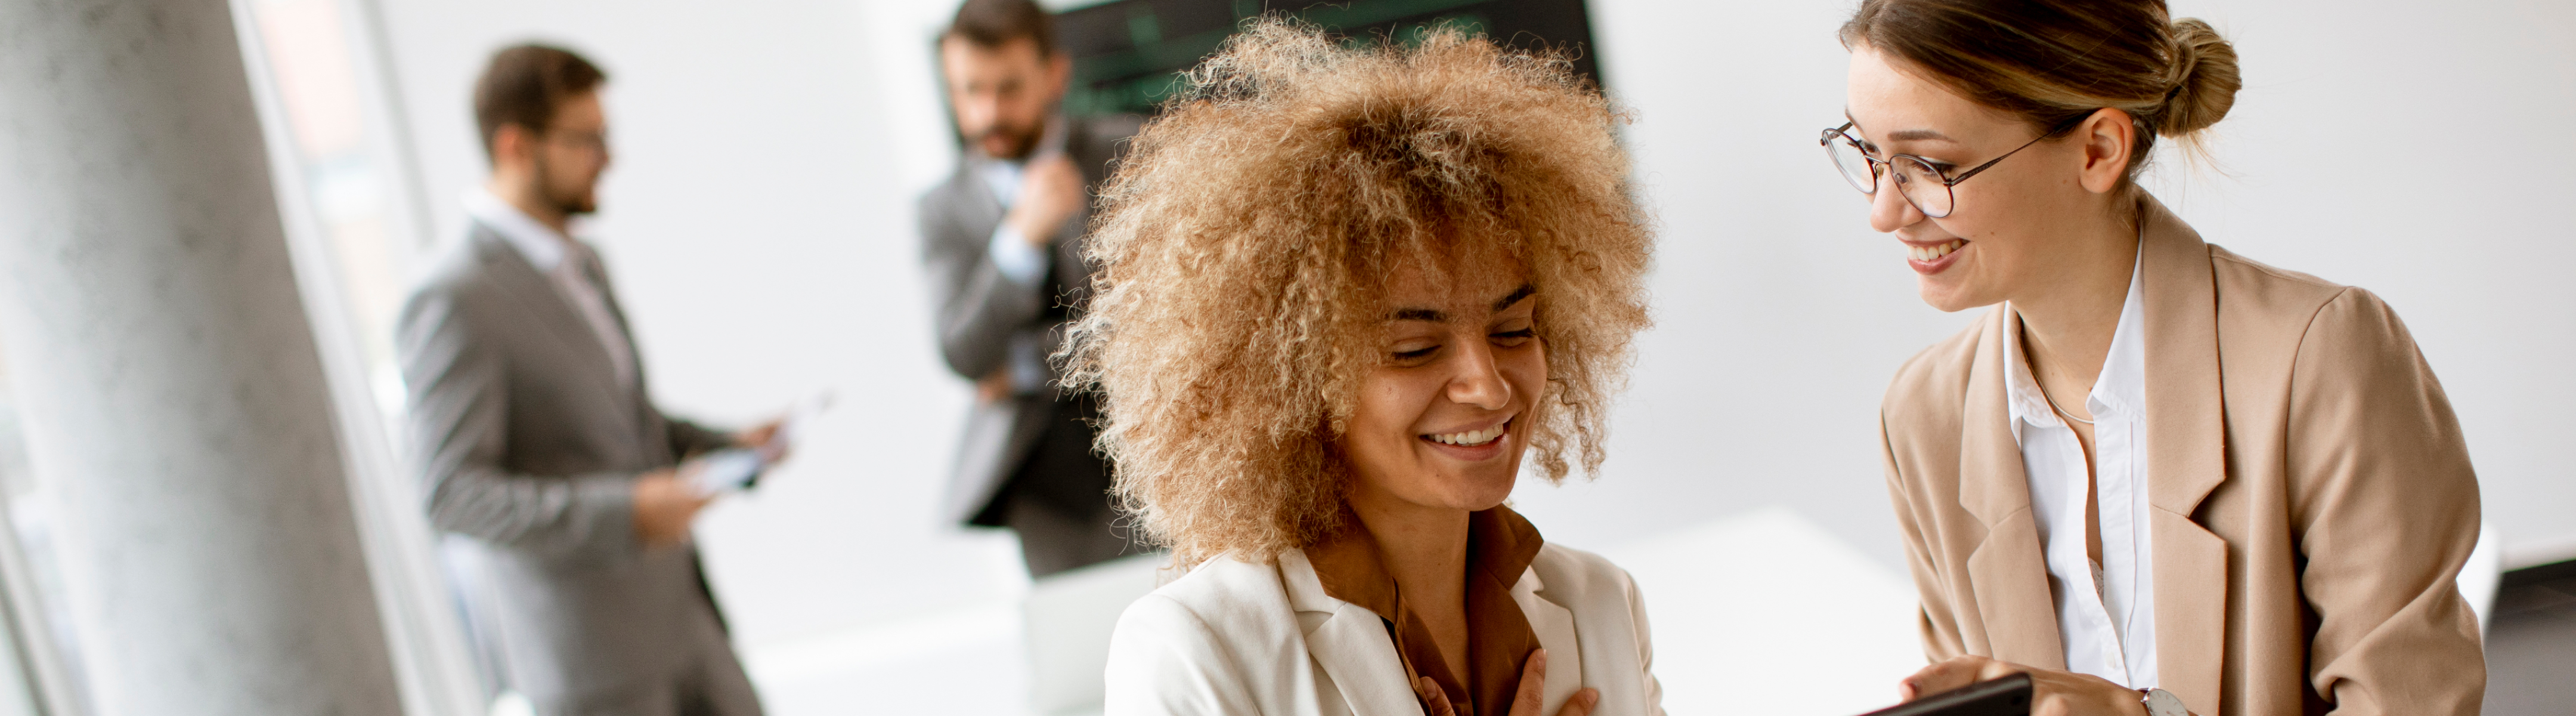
x=2007, y=696
x=740, y=468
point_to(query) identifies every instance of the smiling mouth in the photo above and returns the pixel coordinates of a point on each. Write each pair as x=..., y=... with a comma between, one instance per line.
x=1473, y=438
x=1933, y=253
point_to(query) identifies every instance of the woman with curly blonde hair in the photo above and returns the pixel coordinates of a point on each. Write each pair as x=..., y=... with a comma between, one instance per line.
x=1342, y=291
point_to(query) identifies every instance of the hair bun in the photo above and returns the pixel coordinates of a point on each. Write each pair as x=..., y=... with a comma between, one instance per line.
x=2203, y=79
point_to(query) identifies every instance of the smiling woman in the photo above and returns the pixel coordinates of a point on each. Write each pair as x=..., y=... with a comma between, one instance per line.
x=2159, y=477
x=1342, y=292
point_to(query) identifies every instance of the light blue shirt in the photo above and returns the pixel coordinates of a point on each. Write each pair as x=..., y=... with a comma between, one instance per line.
x=1018, y=262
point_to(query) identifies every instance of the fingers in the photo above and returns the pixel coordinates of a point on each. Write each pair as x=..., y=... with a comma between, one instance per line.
x=1531, y=695
x=1435, y=700
x=1949, y=674
x=1581, y=704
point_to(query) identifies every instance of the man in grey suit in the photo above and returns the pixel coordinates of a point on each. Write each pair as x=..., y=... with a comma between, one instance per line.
x=535, y=436
x=1001, y=240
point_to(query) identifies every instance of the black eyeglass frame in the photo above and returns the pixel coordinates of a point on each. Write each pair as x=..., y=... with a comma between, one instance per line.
x=1947, y=182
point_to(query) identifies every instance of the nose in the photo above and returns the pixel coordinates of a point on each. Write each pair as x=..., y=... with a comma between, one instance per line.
x=1888, y=209
x=1479, y=381
x=978, y=111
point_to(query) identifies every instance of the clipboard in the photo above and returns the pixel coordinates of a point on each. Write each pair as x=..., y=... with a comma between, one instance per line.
x=2007, y=696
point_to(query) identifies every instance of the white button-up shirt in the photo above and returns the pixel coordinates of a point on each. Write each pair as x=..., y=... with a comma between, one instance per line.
x=2106, y=618
x=564, y=263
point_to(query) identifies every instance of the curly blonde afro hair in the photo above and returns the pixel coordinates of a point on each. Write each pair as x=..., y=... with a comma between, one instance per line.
x=1246, y=239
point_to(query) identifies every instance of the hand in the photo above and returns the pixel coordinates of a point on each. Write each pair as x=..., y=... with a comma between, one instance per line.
x=994, y=387
x=665, y=504
x=2053, y=693
x=1050, y=193
x=763, y=438
x=1526, y=700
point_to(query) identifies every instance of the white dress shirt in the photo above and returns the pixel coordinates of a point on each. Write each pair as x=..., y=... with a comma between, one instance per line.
x=2105, y=613
x=566, y=263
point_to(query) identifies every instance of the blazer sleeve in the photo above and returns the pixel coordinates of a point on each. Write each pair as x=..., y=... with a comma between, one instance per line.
x=460, y=418
x=1940, y=626
x=976, y=308
x=1165, y=660
x=1654, y=687
x=689, y=438
x=2386, y=508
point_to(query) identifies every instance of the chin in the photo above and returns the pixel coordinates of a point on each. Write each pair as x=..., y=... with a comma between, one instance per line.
x=1947, y=298
x=1484, y=492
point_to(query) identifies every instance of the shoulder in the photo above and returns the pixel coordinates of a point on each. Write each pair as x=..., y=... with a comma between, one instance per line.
x=1566, y=567
x=947, y=193
x=1585, y=582
x=2302, y=315
x=1932, y=385
x=2268, y=297
x=459, y=272
x=1218, y=601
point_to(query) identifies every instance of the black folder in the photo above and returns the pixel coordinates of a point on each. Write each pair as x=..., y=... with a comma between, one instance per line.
x=2007, y=696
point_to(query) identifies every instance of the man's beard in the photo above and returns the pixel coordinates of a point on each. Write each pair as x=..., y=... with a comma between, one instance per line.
x=1023, y=140
x=574, y=203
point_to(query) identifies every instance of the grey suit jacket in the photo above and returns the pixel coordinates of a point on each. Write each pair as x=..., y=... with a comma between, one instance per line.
x=528, y=444
x=980, y=313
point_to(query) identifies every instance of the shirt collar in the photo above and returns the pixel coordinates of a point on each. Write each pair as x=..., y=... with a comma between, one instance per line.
x=543, y=247
x=1500, y=546
x=2120, y=388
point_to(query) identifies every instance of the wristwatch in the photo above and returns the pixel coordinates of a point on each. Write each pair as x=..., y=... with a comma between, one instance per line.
x=2162, y=703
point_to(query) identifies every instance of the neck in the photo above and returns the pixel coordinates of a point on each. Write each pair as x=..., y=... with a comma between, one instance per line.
x=522, y=194
x=2067, y=323
x=1424, y=547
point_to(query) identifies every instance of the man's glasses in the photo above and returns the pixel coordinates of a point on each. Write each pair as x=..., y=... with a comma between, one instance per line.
x=1919, y=179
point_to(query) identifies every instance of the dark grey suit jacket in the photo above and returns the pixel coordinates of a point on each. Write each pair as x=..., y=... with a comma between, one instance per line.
x=529, y=444
x=980, y=313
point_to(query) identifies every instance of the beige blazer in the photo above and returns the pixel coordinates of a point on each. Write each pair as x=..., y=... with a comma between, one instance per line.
x=1235, y=637
x=2312, y=497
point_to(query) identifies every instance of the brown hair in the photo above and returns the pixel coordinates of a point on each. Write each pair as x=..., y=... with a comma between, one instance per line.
x=2052, y=61
x=1246, y=241
x=525, y=84
x=992, y=23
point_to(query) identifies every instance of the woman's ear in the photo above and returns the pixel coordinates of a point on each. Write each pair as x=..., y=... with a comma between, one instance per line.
x=2107, y=137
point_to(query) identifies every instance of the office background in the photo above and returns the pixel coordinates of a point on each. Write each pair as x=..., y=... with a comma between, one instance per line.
x=758, y=221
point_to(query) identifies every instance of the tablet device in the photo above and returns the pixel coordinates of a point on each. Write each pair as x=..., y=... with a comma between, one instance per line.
x=2007, y=696
x=728, y=469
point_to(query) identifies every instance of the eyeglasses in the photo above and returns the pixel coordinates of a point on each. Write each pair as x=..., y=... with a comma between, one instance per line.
x=1917, y=178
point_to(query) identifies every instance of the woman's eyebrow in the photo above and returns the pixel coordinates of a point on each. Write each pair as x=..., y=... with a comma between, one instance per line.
x=1914, y=135
x=1418, y=314
x=1517, y=294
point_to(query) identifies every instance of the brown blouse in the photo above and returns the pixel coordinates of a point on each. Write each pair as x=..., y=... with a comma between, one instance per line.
x=1500, y=545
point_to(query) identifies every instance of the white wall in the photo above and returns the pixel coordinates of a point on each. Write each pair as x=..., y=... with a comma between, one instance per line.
x=758, y=222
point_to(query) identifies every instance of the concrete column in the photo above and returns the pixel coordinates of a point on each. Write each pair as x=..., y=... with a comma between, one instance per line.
x=172, y=395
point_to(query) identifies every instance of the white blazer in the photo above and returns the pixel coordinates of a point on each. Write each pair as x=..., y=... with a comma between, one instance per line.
x=1237, y=638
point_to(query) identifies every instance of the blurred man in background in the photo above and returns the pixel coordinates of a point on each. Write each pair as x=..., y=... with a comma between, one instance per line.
x=1001, y=239
x=537, y=440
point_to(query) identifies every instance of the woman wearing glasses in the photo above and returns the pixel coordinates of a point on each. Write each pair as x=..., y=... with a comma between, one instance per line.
x=2159, y=477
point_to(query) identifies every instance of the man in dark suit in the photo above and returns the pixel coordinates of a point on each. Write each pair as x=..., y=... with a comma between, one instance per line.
x=1001, y=240
x=536, y=440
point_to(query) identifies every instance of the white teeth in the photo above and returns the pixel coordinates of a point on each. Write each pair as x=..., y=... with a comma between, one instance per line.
x=1927, y=253
x=1471, y=437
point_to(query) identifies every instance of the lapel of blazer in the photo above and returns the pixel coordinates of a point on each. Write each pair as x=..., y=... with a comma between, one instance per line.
x=637, y=400
x=547, y=307
x=2008, y=570
x=2186, y=458
x=1351, y=645
x=1554, y=624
